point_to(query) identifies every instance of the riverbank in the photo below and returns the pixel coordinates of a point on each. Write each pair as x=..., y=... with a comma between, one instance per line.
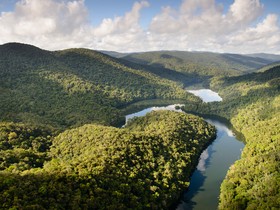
x=221, y=153
x=213, y=165
x=214, y=160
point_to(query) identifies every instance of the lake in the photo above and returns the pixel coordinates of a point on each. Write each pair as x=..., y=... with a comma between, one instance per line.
x=214, y=162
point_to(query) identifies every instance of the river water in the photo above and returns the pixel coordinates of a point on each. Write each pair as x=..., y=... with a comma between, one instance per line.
x=215, y=160
x=206, y=95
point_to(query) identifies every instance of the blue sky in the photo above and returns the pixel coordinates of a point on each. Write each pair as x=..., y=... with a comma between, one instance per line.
x=99, y=8
x=241, y=26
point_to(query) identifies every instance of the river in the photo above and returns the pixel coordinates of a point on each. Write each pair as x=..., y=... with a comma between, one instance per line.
x=214, y=162
x=206, y=95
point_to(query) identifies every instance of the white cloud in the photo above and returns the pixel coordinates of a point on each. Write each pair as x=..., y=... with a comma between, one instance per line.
x=265, y=35
x=122, y=33
x=46, y=23
x=245, y=11
x=204, y=25
x=196, y=25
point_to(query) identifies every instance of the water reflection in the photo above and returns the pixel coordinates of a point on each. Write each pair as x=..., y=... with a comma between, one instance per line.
x=212, y=167
x=213, y=164
x=202, y=161
x=221, y=127
x=173, y=107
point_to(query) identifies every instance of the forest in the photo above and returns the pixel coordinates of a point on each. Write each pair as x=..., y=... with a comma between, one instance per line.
x=142, y=166
x=73, y=87
x=62, y=145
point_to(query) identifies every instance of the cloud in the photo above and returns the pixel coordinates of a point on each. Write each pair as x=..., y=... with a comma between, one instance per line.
x=44, y=22
x=245, y=11
x=122, y=33
x=266, y=34
x=195, y=25
x=204, y=25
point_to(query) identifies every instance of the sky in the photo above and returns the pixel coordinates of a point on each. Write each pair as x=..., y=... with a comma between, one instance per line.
x=232, y=26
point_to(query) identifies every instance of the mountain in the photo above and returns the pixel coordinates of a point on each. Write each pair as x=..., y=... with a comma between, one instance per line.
x=199, y=63
x=114, y=53
x=73, y=87
x=269, y=66
x=145, y=165
x=58, y=150
x=272, y=57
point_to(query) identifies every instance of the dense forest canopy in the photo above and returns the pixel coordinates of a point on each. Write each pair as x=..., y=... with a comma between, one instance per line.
x=144, y=165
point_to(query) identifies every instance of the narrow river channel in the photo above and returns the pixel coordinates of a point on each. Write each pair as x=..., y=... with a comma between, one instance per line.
x=203, y=193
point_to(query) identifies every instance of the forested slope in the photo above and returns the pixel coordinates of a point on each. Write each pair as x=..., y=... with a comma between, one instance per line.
x=142, y=166
x=251, y=103
x=253, y=181
x=73, y=87
x=199, y=64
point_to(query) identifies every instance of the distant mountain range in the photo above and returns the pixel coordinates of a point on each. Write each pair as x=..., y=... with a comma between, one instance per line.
x=266, y=56
x=272, y=57
x=200, y=63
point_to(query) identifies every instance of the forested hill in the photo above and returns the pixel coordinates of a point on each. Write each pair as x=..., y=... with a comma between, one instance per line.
x=269, y=66
x=145, y=165
x=200, y=63
x=73, y=87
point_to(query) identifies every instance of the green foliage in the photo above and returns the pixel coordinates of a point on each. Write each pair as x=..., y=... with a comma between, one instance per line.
x=255, y=178
x=142, y=166
x=23, y=146
x=73, y=87
x=267, y=67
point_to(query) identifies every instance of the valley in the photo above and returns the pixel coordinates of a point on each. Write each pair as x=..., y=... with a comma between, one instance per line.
x=62, y=145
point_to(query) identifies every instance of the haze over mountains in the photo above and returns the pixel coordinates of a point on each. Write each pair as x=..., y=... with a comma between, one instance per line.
x=267, y=56
x=184, y=61
x=196, y=67
x=258, y=58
